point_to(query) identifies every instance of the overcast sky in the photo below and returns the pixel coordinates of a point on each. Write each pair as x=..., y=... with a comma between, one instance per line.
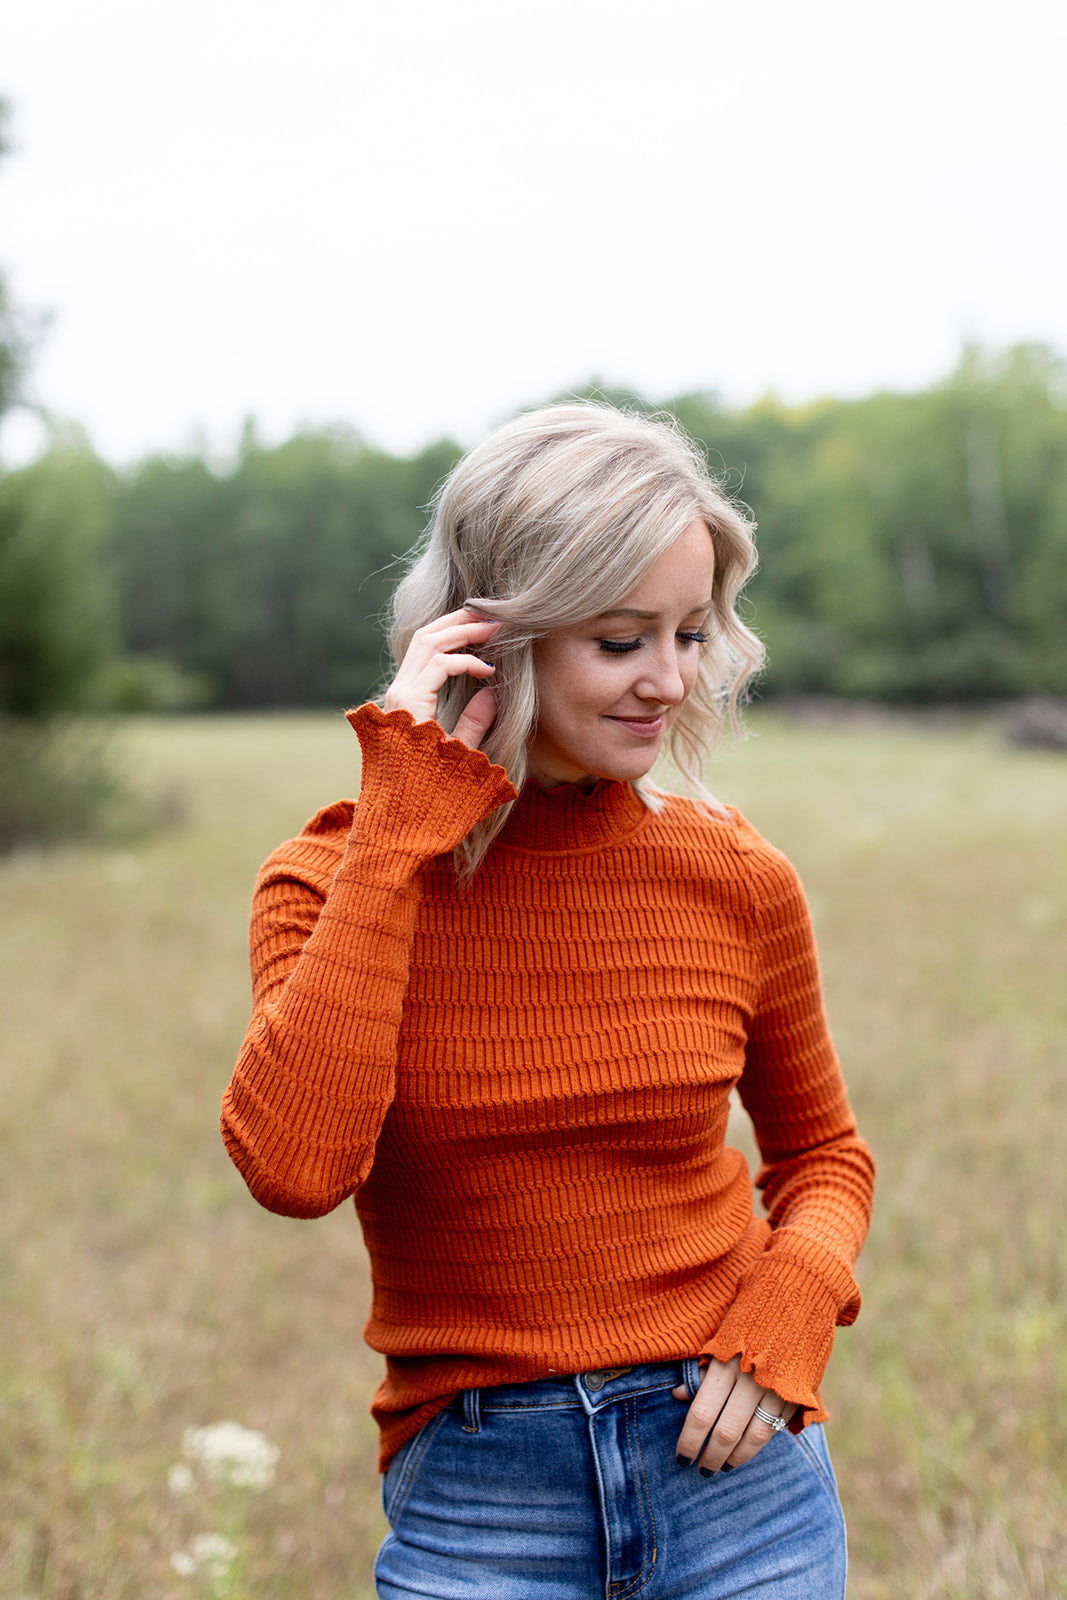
x=414, y=215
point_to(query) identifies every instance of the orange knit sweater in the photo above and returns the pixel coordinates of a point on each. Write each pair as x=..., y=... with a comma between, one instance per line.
x=525, y=1083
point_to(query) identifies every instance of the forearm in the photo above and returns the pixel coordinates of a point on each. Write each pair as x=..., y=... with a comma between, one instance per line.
x=333, y=921
x=315, y=1075
x=817, y=1175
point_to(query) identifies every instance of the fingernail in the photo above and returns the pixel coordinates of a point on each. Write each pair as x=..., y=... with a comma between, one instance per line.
x=684, y=1461
x=706, y=1472
x=726, y=1467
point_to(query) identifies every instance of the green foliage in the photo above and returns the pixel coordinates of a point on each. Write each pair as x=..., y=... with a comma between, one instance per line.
x=269, y=583
x=55, y=625
x=912, y=546
x=14, y=350
x=149, y=683
x=57, y=776
x=15, y=338
x=59, y=780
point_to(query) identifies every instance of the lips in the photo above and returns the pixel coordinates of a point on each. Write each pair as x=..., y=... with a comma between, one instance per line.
x=642, y=727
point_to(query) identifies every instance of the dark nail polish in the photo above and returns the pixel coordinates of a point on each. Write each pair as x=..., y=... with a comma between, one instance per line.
x=726, y=1467
x=684, y=1461
x=706, y=1472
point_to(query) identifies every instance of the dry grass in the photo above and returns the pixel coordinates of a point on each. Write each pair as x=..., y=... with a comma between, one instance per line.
x=143, y=1292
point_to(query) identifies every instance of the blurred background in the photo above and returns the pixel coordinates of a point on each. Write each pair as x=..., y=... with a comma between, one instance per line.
x=266, y=270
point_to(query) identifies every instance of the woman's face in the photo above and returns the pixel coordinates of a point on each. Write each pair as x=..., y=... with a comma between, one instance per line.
x=611, y=687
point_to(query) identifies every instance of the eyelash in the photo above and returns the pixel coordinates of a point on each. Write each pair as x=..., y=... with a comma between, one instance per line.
x=623, y=647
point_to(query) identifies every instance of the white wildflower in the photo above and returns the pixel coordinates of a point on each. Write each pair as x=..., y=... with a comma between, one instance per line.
x=180, y=1479
x=240, y=1458
x=214, y=1552
x=210, y=1553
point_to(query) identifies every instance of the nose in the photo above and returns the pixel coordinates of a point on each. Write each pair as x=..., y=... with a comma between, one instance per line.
x=663, y=682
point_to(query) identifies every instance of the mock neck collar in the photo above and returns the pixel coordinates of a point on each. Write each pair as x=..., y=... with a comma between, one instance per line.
x=569, y=818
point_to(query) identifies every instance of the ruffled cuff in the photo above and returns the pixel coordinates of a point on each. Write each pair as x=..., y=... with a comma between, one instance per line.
x=422, y=791
x=781, y=1323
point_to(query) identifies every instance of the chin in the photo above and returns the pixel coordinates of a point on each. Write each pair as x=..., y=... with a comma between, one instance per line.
x=626, y=770
x=583, y=769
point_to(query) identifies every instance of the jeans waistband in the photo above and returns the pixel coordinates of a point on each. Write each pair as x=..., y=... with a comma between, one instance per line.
x=585, y=1390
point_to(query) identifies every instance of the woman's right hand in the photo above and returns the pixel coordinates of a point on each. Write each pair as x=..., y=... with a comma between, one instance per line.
x=437, y=652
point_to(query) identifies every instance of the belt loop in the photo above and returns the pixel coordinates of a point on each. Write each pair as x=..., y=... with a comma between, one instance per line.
x=691, y=1375
x=472, y=1411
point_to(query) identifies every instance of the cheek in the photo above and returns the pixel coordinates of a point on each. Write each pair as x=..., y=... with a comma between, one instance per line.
x=559, y=671
x=572, y=685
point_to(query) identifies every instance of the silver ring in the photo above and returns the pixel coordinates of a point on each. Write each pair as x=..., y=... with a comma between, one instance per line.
x=777, y=1423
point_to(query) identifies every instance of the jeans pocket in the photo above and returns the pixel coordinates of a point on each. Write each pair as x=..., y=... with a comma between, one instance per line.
x=692, y=1376
x=812, y=1444
x=401, y=1471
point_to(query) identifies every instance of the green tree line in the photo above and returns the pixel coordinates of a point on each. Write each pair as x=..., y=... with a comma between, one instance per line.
x=913, y=547
x=265, y=584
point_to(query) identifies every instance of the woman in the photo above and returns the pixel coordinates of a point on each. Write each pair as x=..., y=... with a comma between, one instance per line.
x=502, y=1002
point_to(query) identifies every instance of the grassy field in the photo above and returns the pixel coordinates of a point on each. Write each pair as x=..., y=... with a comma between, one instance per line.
x=144, y=1293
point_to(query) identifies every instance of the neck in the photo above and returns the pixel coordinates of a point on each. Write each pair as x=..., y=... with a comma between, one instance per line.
x=568, y=817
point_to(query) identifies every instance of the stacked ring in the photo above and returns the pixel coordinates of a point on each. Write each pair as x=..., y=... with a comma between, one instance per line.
x=777, y=1423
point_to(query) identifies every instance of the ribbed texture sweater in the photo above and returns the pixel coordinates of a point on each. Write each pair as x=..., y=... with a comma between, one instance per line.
x=524, y=1082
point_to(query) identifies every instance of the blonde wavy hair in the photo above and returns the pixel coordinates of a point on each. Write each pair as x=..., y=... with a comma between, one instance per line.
x=552, y=520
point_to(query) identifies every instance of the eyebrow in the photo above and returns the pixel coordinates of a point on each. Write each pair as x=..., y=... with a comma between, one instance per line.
x=647, y=616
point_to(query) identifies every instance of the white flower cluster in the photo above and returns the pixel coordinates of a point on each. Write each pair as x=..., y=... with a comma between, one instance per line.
x=227, y=1454
x=210, y=1553
x=180, y=1479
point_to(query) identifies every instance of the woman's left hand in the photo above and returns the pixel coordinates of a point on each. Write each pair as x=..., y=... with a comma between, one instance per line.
x=722, y=1419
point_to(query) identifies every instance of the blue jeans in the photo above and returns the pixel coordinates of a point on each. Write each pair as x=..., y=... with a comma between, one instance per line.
x=568, y=1489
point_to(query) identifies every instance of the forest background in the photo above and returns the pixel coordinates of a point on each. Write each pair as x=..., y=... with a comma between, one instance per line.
x=913, y=549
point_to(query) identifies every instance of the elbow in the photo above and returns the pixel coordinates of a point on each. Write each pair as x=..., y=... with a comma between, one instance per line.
x=301, y=1193
x=286, y=1201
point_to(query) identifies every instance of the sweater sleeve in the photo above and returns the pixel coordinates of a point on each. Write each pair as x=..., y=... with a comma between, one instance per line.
x=330, y=962
x=816, y=1175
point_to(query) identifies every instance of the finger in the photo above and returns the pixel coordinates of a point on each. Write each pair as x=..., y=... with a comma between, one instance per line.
x=730, y=1425
x=463, y=615
x=715, y=1389
x=436, y=639
x=478, y=716
x=757, y=1432
x=452, y=663
x=418, y=694
x=449, y=633
x=441, y=649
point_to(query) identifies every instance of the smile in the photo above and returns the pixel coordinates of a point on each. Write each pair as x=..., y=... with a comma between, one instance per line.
x=642, y=727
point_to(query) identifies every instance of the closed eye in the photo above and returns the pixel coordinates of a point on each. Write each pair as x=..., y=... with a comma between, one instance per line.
x=623, y=647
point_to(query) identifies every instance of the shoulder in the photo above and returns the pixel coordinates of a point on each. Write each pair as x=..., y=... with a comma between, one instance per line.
x=314, y=856
x=725, y=834
x=726, y=846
